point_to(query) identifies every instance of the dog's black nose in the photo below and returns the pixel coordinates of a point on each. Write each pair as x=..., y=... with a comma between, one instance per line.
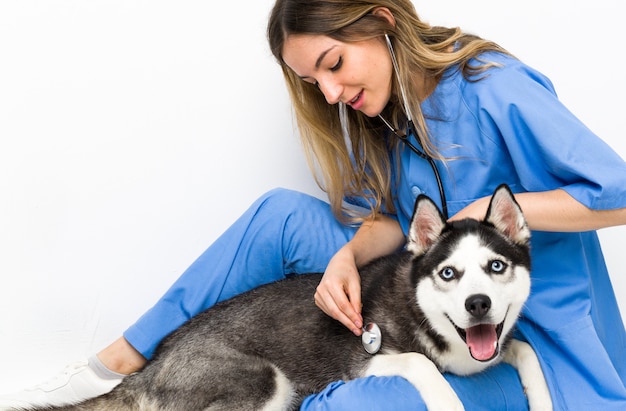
x=478, y=305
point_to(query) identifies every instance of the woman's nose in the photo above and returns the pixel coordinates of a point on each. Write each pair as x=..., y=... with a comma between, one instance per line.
x=332, y=91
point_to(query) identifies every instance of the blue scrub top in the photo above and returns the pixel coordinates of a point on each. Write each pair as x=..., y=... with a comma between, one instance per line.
x=510, y=127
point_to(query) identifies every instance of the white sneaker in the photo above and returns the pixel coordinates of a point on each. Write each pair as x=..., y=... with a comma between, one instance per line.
x=76, y=383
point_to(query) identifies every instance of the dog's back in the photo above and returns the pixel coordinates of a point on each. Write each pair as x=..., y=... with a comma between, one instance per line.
x=253, y=347
x=269, y=346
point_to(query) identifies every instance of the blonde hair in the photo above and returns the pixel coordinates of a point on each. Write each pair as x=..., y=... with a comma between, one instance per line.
x=361, y=166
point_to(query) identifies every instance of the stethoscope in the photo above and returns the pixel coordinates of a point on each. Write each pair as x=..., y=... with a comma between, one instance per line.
x=371, y=338
x=372, y=335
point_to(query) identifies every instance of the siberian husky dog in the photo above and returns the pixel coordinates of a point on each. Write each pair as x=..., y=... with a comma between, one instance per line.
x=447, y=302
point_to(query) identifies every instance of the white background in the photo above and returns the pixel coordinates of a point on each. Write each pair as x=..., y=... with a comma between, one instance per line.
x=132, y=133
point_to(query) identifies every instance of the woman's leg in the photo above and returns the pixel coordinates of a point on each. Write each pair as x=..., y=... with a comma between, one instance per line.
x=283, y=232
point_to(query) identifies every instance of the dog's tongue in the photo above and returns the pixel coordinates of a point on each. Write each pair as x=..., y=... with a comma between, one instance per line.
x=482, y=341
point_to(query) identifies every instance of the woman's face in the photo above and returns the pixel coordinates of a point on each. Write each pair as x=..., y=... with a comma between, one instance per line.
x=357, y=74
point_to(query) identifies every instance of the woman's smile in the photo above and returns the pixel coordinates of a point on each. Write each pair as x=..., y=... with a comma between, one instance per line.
x=357, y=102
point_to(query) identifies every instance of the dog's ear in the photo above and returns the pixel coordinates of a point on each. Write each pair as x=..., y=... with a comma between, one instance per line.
x=506, y=215
x=426, y=225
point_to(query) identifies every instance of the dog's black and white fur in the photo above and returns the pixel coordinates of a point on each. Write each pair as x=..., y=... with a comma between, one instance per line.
x=447, y=302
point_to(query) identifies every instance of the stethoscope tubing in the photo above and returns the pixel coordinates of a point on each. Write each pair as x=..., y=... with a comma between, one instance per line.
x=433, y=165
x=404, y=137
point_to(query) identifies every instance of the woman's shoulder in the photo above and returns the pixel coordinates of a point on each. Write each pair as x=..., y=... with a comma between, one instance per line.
x=506, y=76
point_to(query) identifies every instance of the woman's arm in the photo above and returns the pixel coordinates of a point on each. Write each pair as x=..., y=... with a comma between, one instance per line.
x=553, y=210
x=339, y=291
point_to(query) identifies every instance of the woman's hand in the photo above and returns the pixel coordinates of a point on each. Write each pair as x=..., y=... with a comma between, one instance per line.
x=553, y=210
x=339, y=292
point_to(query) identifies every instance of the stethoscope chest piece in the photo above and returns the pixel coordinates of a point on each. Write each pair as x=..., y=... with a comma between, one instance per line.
x=371, y=338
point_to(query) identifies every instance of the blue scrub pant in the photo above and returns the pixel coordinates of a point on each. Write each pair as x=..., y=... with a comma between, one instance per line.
x=286, y=232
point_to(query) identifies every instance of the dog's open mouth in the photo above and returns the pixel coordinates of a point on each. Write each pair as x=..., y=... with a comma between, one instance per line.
x=482, y=340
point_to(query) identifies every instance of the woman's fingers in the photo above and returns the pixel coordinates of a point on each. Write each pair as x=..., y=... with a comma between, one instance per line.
x=334, y=301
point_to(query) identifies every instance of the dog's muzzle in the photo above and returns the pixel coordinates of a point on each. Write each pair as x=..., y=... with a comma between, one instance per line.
x=483, y=338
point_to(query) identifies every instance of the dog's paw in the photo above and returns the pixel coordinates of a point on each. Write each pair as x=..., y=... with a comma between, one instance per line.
x=441, y=397
x=539, y=402
x=521, y=356
x=420, y=371
x=452, y=403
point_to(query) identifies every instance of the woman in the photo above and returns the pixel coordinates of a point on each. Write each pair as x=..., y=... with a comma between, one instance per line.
x=485, y=119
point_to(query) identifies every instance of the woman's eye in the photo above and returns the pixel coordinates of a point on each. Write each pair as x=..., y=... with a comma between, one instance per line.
x=497, y=266
x=338, y=65
x=447, y=274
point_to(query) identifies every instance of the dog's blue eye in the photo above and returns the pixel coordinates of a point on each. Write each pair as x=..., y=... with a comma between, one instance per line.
x=497, y=266
x=447, y=273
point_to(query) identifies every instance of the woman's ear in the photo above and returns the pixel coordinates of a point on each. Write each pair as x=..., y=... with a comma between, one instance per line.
x=385, y=13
